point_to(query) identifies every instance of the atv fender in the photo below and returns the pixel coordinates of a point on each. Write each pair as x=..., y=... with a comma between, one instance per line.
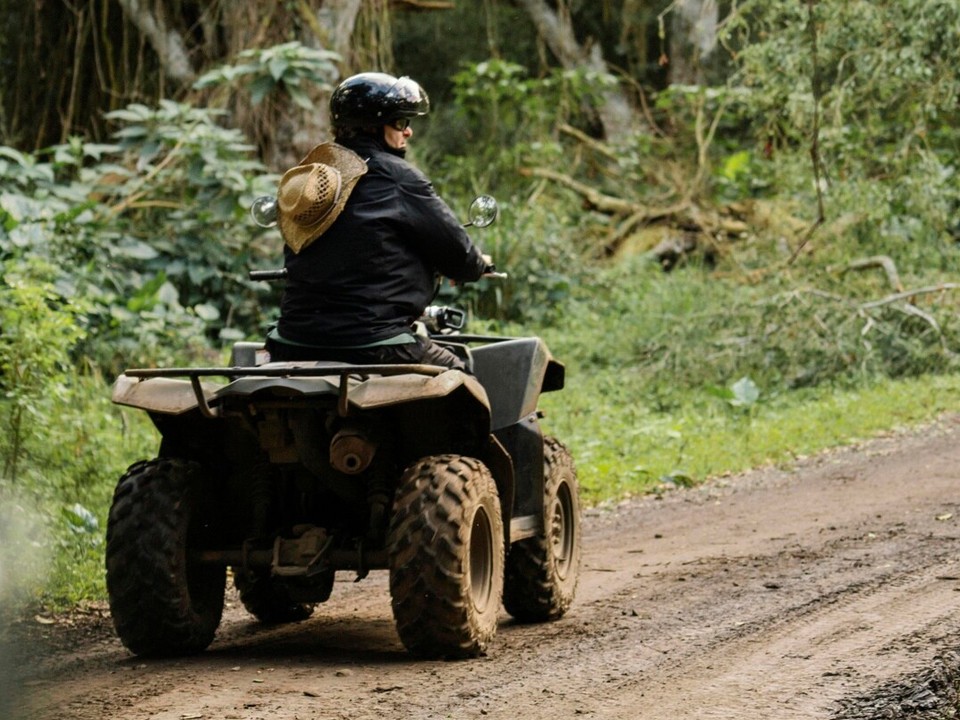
x=383, y=392
x=514, y=373
x=167, y=396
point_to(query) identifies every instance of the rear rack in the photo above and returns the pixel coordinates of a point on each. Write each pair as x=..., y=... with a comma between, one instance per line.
x=288, y=370
x=284, y=370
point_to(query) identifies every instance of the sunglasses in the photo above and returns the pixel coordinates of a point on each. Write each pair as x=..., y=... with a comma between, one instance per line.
x=400, y=124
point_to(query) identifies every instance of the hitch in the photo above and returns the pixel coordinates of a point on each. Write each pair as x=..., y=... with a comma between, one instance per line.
x=303, y=556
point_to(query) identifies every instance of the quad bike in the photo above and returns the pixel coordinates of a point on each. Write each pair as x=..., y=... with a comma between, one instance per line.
x=286, y=473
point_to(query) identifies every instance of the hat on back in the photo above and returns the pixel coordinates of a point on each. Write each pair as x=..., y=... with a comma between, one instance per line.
x=312, y=194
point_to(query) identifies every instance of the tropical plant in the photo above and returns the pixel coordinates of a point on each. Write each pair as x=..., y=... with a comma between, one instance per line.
x=877, y=82
x=285, y=68
x=152, y=231
x=40, y=328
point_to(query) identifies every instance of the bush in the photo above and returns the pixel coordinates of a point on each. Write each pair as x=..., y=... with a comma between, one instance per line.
x=39, y=330
x=153, y=232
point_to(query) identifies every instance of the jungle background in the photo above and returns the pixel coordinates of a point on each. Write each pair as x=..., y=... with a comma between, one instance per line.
x=735, y=221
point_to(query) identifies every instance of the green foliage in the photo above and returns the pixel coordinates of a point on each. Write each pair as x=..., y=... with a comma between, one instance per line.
x=742, y=395
x=531, y=244
x=887, y=68
x=39, y=330
x=505, y=118
x=51, y=521
x=287, y=68
x=152, y=243
x=787, y=332
x=742, y=399
x=649, y=354
x=77, y=556
x=153, y=232
x=887, y=83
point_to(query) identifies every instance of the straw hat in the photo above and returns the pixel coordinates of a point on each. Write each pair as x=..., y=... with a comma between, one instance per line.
x=312, y=194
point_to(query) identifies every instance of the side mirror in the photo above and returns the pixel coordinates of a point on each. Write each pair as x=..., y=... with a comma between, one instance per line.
x=483, y=211
x=264, y=211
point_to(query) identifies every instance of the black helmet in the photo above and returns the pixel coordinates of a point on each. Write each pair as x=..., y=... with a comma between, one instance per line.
x=374, y=98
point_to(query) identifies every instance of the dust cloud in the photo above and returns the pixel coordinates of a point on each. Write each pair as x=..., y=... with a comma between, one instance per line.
x=23, y=564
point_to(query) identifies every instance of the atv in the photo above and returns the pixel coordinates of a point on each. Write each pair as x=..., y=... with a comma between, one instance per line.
x=282, y=474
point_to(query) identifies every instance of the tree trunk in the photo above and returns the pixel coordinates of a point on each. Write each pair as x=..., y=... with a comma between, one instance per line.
x=693, y=37
x=338, y=18
x=333, y=24
x=555, y=27
x=166, y=42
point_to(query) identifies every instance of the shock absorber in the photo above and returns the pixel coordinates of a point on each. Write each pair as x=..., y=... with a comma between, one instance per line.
x=378, y=500
x=260, y=498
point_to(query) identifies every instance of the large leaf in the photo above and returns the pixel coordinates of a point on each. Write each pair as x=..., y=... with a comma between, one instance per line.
x=300, y=97
x=278, y=66
x=745, y=392
x=134, y=250
x=260, y=88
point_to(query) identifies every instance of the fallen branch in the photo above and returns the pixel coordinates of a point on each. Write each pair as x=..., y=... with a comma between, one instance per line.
x=913, y=310
x=635, y=212
x=592, y=143
x=594, y=198
x=643, y=215
x=882, y=261
x=423, y=4
x=909, y=294
x=136, y=193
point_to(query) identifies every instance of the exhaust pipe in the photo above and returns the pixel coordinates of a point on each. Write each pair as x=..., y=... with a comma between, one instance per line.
x=351, y=451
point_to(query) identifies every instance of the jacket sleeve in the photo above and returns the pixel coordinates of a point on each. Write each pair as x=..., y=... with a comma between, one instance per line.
x=435, y=232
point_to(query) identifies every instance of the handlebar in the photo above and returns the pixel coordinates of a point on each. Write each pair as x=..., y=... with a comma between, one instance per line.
x=440, y=317
x=490, y=271
x=278, y=274
x=281, y=274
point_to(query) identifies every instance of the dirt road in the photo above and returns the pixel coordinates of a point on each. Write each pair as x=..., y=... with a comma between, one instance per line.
x=828, y=590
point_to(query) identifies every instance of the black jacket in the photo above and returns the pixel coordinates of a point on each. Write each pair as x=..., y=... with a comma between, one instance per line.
x=371, y=274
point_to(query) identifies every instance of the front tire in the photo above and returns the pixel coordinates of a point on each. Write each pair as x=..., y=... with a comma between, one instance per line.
x=542, y=571
x=162, y=603
x=446, y=557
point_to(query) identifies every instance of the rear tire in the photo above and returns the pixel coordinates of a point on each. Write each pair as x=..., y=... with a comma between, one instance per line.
x=542, y=571
x=161, y=602
x=446, y=557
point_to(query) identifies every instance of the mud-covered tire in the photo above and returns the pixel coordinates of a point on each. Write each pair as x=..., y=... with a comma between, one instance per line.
x=268, y=600
x=162, y=603
x=542, y=571
x=446, y=557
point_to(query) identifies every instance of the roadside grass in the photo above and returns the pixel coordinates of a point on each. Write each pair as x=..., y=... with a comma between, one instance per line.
x=676, y=377
x=624, y=448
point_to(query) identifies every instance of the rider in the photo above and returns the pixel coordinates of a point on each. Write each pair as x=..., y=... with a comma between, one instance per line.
x=366, y=236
